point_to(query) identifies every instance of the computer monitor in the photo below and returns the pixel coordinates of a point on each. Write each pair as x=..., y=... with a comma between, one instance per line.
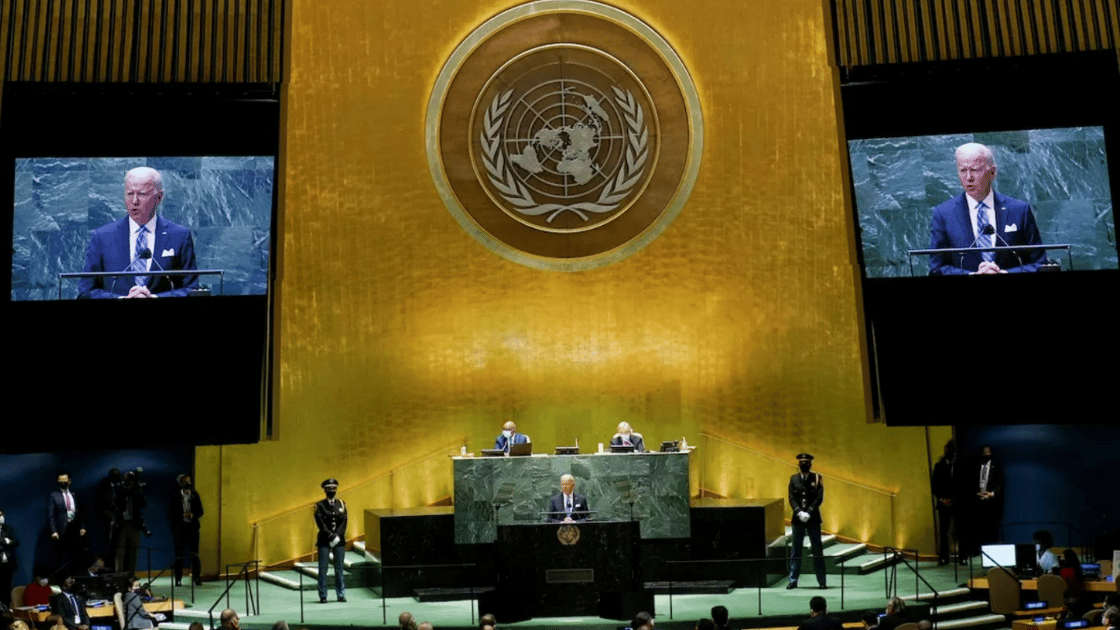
x=622, y=448
x=521, y=450
x=998, y=555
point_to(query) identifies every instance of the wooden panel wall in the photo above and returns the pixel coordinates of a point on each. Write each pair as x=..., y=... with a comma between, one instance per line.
x=143, y=41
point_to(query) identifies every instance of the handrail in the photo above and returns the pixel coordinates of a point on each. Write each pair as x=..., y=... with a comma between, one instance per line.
x=786, y=463
x=900, y=554
x=759, y=563
x=998, y=565
x=244, y=571
x=442, y=451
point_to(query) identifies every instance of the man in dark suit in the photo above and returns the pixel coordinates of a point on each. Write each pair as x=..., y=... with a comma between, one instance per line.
x=983, y=497
x=66, y=522
x=806, y=493
x=626, y=436
x=140, y=242
x=818, y=617
x=331, y=518
x=70, y=607
x=509, y=436
x=183, y=511
x=943, y=483
x=980, y=217
x=567, y=507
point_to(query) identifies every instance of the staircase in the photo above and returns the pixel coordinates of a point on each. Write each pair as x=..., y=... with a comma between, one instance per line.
x=839, y=557
x=956, y=609
x=355, y=561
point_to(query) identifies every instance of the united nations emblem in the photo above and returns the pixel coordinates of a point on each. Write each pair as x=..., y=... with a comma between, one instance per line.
x=568, y=535
x=564, y=134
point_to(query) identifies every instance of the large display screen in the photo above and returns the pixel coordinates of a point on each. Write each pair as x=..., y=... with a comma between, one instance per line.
x=1061, y=174
x=224, y=202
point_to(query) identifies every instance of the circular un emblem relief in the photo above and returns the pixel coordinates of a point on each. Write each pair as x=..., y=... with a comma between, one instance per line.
x=567, y=535
x=564, y=134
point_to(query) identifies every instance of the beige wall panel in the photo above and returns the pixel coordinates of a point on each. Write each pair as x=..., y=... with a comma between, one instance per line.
x=398, y=333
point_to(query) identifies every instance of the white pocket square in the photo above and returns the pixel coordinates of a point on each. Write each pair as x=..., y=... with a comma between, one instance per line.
x=1011, y=228
x=171, y=252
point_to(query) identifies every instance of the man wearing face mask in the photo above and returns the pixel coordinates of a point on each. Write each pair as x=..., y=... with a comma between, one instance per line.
x=330, y=518
x=986, y=501
x=70, y=607
x=509, y=437
x=183, y=511
x=806, y=493
x=67, y=524
x=8, y=544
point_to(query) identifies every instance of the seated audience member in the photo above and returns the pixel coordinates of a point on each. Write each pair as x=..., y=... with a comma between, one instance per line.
x=896, y=614
x=230, y=620
x=197, y=625
x=1071, y=570
x=925, y=624
x=487, y=620
x=818, y=617
x=70, y=608
x=425, y=625
x=642, y=620
x=280, y=625
x=1045, y=559
x=1075, y=605
x=720, y=617
x=406, y=622
x=625, y=436
x=38, y=592
x=135, y=615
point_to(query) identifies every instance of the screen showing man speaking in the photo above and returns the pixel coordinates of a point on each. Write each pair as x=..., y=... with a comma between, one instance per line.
x=972, y=191
x=137, y=224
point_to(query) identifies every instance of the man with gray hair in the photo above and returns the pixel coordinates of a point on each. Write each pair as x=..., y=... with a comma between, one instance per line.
x=141, y=242
x=980, y=217
x=567, y=507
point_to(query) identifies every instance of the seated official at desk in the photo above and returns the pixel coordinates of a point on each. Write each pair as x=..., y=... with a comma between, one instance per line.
x=509, y=437
x=626, y=437
x=70, y=608
x=135, y=615
x=567, y=506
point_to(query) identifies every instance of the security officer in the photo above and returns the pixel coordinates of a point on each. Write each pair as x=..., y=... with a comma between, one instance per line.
x=330, y=518
x=806, y=493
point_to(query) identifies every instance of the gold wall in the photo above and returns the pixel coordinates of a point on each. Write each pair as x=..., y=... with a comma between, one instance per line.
x=398, y=333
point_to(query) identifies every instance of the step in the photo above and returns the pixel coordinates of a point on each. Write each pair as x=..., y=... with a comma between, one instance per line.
x=360, y=548
x=193, y=613
x=450, y=594
x=867, y=563
x=980, y=621
x=826, y=539
x=946, y=612
x=288, y=579
x=941, y=596
x=705, y=587
x=311, y=570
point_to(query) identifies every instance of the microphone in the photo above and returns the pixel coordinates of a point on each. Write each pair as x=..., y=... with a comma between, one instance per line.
x=976, y=240
x=989, y=230
x=148, y=254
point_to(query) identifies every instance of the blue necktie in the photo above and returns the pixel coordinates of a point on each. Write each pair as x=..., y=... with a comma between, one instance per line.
x=984, y=240
x=138, y=263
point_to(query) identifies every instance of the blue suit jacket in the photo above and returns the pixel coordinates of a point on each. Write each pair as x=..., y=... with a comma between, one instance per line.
x=557, y=513
x=109, y=250
x=502, y=443
x=952, y=227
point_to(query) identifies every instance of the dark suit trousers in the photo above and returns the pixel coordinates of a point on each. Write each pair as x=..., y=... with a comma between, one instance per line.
x=798, y=548
x=945, y=517
x=186, y=544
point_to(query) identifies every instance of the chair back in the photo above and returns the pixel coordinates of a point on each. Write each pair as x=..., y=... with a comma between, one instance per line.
x=1004, y=591
x=913, y=625
x=118, y=606
x=1051, y=589
x=1094, y=616
x=17, y=595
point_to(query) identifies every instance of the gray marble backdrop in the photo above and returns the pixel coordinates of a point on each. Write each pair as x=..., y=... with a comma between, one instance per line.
x=1061, y=173
x=225, y=201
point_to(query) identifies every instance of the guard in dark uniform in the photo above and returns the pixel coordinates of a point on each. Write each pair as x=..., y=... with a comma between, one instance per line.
x=806, y=493
x=330, y=518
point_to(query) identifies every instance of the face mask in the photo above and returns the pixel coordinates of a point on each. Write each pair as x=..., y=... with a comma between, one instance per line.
x=331, y=493
x=63, y=486
x=508, y=434
x=1038, y=547
x=186, y=486
x=805, y=466
x=43, y=582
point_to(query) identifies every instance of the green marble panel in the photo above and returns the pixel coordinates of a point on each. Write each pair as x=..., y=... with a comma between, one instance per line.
x=512, y=490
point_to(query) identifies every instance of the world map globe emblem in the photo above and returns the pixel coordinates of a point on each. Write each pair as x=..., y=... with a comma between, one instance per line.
x=564, y=135
x=566, y=145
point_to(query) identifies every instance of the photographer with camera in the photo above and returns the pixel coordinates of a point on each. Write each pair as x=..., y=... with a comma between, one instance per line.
x=130, y=506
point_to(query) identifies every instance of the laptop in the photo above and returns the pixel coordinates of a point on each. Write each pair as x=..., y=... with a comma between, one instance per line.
x=521, y=450
x=622, y=448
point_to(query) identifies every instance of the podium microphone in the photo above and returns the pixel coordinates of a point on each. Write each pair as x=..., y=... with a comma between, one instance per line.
x=147, y=253
x=989, y=230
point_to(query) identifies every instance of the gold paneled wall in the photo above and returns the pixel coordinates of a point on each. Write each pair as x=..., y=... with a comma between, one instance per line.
x=398, y=333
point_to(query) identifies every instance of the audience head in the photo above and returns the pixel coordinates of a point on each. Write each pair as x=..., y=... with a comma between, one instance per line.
x=1071, y=561
x=641, y=619
x=720, y=615
x=280, y=625
x=18, y=624
x=1043, y=539
x=196, y=626
x=406, y=621
x=425, y=625
x=230, y=619
x=925, y=624
x=705, y=624
x=818, y=605
x=487, y=620
x=896, y=606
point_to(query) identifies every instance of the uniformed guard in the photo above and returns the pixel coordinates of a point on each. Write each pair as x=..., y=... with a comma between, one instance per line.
x=330, y=518
x=806, y=493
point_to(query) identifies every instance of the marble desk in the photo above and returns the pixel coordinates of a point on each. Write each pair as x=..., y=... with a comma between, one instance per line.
x=492, y=491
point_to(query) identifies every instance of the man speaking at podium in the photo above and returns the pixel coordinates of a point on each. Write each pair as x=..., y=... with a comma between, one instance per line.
x=567, y=507
x=980, y=217
x=142, y=241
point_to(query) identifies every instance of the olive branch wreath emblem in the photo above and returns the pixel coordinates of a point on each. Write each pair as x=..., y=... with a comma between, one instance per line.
x=516, y=194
